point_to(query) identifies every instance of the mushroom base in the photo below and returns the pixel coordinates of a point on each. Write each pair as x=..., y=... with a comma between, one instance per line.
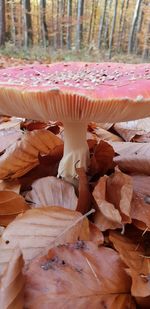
x=76, y=151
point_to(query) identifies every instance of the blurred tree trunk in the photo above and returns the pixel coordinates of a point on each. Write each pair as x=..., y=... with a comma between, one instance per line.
x=27, y=23
x=146, y=50
x=69, y=24
x=139, y=26
x=95, y=21
x=79, y=32
x=2, y=22
x=123, y=27
x=113, y=29
x=120, y=24
x=91, y=21
x=13, y=27
x=101, y=25
x=133, y=26
x=43, y=24
x=62, y=6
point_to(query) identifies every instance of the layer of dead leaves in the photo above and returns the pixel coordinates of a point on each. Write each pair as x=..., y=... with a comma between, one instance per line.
x=69, y=247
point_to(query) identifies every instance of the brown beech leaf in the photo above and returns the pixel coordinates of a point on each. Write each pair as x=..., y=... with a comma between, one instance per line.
x=104, y=134
x=42, y=228
x=133, y=157
x=102, y=159
x=106, y=216
x=12, y=283
x=130, y=129
x=105, y=126
x=54, y=156
x=23, y=156
x=31, y=125
x=11, y=204
x=49, y=191
x=140, y=211
x=143, y=302
x=78, y=275
x=95, y=234
x=84, y=199
x=113, y=196
x=141, y=185
x=12, y=185
x=134, y=257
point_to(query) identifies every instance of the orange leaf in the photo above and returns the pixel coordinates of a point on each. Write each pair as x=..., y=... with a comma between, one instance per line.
x=11, y=204
x=102, y=159
x=84, y=198
x=134, y=257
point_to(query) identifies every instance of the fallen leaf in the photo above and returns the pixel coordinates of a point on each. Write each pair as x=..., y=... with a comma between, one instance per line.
x=134, y=257
x=104, y=134
x=105, y=126
x=106, y=216
x=102, y=159
x=10, y=185
x=95, y=234
x=31, y=125
x=140, y=211
x=78, y=275
x=141, y=185
x=132, y=157
x=143, y=302
x=119, y=192
x=113, y=196
x=11, y=204
x=84, y=195
x=23, y=156
x=49, y=191
x=12, y=283
x=38, y=229
x=130, y=129
x=8, y=138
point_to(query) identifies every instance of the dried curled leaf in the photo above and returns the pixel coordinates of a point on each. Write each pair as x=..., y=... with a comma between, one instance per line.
x=133, y=157
x=130, y=130
x=78, y=275
x=11, y=204
x=103, y=134
x=23, y=155
x=102, y=159
x=12, y=283
x=39, y=229
x=50, y=191
x=113, y=196
x=134, y=256
x=140, y=208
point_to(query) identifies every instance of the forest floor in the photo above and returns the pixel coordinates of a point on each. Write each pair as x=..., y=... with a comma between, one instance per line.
x=97, y=261
x=13, y=56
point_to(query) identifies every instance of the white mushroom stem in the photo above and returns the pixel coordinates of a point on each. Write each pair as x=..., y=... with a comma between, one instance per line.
x=76, y=151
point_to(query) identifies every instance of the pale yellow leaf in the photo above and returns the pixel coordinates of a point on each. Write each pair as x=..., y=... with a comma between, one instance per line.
x=39, y=229
x=12, y=283
x=51, y=191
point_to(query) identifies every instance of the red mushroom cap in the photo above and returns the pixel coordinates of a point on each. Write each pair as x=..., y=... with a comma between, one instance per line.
x=77, y=90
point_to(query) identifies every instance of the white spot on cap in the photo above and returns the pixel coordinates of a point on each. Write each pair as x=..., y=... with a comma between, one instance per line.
x=139, y=98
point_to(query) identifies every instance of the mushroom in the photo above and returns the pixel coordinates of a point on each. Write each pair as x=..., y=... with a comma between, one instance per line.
x=76, y=93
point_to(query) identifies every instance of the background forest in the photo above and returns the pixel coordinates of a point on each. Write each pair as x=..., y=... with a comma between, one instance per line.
x=106, y=29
